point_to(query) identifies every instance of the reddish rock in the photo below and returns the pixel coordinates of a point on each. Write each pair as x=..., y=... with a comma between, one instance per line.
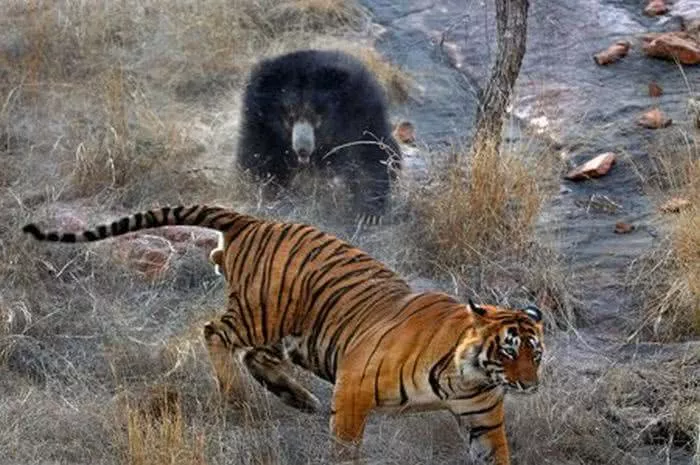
x=177, y=233
x=182, y=237
x=655, y=90
x=676, y=45
x=206, y=242
x=623, y=228
x=405, y=132
x=656, y=8
x=654, y=119
x=613, y=53
x=150, y=255
x=593, y=168
x=675, y=205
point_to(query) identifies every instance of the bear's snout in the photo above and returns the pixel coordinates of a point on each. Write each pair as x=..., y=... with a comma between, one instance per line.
x=303, y=141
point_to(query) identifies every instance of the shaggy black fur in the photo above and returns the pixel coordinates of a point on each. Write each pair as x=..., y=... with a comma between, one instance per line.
x=298, y=107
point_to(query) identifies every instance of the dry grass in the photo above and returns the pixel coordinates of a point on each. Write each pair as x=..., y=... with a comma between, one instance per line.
x=158, y=435
x=610, y=414
x=668, y=279
x=475, y=221
x=396, y=82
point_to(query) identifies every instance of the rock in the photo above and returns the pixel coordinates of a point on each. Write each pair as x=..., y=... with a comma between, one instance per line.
x=206, y=242
x=675, y=205
x=405, y=132
x=655, y=90
x=182, y=237
x=613, y=53
x=654, y=119
x=656, y=8
x=148, y=254
x=676, y=45
x=593, y=168
x=623, y=228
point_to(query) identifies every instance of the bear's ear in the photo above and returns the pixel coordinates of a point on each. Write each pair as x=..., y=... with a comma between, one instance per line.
x=533, y=312
x=475, y=308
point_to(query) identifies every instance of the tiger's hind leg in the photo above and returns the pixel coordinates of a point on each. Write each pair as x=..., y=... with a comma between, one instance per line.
x=224, y=348
x=268, y=366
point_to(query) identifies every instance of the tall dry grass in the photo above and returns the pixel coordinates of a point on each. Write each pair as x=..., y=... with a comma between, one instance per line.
x=475, y=220
x=668, y=279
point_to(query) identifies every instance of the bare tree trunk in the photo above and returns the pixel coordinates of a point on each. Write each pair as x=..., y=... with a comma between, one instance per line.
x=511, y=30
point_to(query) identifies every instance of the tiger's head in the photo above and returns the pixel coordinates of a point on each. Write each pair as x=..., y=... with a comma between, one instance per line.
x=509, y=346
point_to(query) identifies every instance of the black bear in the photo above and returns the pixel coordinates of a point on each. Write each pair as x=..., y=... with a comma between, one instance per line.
x=324, y=110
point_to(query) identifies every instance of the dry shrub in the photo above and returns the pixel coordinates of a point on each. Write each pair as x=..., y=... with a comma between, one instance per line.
x=319, y=15
x=159, y=435
x=478, y=207
x=475, y=222
x=126, y=143
x=667, y=280
x=396, y=82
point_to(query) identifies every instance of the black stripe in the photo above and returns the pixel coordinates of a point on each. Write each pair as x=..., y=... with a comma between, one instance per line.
x=266, y=289
x=480, y=391
x=150, y=219
x=185, y=216
x=285, y=272
x=227, y=320
x=243, y=250
x=138, y=221
x=240, y=310
x=377, y=375
x=482, y=410
x=53, y=236
x=102, y=231
x=164, y=211
x=477, y=431
x=176, y=214
x=402, y=387
x=201, y=216
x=437, y=369
x=68, y=237
x=123, y=226
x=89, y=236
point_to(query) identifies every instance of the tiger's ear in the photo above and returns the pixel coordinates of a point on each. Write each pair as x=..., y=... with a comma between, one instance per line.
x=475, y=308
x=533, y=312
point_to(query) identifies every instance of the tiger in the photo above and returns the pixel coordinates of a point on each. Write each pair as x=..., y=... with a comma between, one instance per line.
x=297, y=295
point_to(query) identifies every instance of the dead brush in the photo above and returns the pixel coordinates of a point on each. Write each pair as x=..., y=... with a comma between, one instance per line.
x=396, y=83
x=159, y=434
x=474, y=223
x=606, y=415
x=475, y=207
x=319, y=15
x=128, y=144
x=667, y=280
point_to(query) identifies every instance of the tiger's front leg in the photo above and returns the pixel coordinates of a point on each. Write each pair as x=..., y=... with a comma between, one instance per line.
x=487, y=435
x=349, y=412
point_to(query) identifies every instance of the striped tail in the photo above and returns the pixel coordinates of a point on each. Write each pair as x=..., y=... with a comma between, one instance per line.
x=217, y=218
